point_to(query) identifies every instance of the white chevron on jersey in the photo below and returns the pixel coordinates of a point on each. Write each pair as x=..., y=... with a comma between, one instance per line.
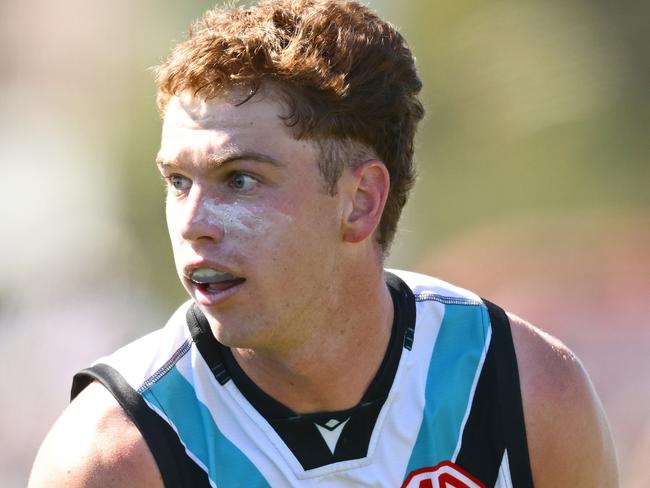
x=504, y=479
x=331, y=435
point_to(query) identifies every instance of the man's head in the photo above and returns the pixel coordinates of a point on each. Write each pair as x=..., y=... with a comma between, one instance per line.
x=346, y=77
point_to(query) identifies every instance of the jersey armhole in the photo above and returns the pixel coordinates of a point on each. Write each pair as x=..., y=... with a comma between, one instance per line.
x=509, y=391
x=176, y=469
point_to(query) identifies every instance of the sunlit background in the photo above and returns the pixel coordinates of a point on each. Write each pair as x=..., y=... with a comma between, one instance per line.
x=533, y=191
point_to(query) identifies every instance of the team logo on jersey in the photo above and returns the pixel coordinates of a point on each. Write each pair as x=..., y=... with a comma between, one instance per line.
x=443, y=475
x=331, y=431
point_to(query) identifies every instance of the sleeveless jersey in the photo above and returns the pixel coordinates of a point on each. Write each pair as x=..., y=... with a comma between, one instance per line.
x=444, y=409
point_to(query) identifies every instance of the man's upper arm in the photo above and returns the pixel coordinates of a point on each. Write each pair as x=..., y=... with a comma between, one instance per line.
x=94, y=444
x=568, y=436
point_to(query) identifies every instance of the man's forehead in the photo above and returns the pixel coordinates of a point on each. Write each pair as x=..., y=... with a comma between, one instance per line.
x=216, y=131
x=233, y=104
x=188, y=119
x=186, y=111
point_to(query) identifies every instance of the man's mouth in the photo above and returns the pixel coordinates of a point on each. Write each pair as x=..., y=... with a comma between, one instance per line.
x=210, y=280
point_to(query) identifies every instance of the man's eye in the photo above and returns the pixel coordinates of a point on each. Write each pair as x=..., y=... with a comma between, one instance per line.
x=242, y=182
x=179, y=183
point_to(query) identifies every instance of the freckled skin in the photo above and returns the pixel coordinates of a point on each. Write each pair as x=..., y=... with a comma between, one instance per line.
x=269, y=236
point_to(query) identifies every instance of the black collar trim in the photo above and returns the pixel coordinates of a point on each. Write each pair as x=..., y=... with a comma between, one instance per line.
x=297, y=430
x=224, y=366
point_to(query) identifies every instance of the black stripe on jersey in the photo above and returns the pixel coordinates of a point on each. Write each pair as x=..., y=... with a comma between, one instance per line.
x=404, y=304
x=176, y=468
x=512, y=411
x=482, y=445
x=206, y=343
x=496, y=420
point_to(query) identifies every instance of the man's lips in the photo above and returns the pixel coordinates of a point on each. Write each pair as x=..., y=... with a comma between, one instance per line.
x=218, y=287
x=211, y=283
x=216, y=294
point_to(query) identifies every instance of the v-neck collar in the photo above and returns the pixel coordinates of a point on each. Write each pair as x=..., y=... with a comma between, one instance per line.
x=321, y=438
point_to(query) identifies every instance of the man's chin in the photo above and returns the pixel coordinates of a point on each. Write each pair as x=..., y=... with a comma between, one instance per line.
x=225, y=327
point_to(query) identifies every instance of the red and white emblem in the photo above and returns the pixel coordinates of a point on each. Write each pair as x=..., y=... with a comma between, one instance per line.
x=443, y=475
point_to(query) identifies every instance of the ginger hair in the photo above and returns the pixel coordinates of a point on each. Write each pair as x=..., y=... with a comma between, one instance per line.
x=347, y=77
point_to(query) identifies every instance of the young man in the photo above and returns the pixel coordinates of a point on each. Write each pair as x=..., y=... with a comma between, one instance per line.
x=287, y=148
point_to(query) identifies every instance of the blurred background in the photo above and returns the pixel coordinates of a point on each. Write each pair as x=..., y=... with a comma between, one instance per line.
x=533, y=188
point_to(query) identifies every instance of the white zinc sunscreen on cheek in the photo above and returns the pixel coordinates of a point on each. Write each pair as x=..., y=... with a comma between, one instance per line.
x=240, y=221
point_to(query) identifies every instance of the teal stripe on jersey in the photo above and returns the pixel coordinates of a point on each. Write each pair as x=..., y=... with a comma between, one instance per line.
x=176, y=398
x=454, y=361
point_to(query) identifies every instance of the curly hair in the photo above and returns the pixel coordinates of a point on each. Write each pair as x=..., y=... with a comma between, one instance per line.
x=347, y=77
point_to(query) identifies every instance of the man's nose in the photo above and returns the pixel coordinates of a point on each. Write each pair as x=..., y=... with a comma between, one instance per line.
x=203, y=217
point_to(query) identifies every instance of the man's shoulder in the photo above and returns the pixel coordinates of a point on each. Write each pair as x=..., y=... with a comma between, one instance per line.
x=94, y=443
x=568, y=436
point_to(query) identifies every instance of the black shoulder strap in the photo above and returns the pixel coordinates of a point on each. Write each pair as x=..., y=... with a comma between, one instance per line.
x=176, y=468
x=509, y=392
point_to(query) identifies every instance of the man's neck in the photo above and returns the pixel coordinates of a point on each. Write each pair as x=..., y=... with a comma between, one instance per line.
x=332, y=368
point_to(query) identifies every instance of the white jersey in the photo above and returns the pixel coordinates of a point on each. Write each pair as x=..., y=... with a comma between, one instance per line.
x=443, y=410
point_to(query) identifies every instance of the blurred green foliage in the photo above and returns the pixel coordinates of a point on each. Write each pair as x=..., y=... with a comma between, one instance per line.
x=533, y=108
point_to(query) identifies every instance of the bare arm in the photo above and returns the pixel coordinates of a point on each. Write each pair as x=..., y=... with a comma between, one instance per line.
x=94, y=444
x=568, y=436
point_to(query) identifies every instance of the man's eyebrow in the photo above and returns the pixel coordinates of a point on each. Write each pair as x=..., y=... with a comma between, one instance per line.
x=214, y=161
x=221, y=159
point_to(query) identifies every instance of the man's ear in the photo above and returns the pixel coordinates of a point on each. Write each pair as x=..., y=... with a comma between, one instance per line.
x=369, y=184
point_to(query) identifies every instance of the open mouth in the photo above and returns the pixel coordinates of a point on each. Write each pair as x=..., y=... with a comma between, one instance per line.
x=210, y=280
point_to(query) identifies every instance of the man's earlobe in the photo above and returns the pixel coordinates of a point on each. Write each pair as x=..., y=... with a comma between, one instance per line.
x=368, y=198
